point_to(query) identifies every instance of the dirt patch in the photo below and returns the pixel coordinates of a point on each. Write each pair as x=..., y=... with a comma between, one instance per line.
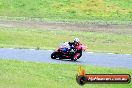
x=120, y=29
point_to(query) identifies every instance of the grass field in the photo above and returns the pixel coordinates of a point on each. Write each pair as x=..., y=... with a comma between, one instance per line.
x=50, y=39
x=18, y=74
x=106, y=10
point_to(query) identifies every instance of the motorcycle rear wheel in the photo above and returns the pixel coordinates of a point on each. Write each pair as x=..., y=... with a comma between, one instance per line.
x=53, y=55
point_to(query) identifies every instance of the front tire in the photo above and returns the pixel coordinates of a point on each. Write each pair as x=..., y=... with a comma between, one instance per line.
x=74, y=59
x=79, y=55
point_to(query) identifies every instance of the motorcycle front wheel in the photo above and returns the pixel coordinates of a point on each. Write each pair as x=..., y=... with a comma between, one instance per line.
x=74, y=59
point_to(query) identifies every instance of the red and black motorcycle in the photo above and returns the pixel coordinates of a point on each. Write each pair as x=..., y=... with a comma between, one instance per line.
x=73, y=54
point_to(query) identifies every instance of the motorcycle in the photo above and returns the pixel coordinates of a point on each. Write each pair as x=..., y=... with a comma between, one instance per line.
x=73, y=54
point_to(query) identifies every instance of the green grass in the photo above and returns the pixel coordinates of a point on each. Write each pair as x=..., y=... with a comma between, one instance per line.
x=106, y=10
x=18, y=74
x=50, y=39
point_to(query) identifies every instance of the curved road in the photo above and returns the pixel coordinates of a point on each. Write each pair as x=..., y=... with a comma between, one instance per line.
x=97, y=59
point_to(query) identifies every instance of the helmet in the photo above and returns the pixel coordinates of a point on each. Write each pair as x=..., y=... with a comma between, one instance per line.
x=76, y=40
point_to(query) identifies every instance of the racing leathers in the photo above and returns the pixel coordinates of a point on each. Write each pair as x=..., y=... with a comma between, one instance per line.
x=73, y=46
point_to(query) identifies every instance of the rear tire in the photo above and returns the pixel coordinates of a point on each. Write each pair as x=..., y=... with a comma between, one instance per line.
x=53, y=55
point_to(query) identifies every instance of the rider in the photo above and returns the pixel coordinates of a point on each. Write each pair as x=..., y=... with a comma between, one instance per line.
x=75, y=42
x=73, y=45
x=69, y=46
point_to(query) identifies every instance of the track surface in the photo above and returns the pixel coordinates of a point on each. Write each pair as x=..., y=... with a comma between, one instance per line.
x=97, y=59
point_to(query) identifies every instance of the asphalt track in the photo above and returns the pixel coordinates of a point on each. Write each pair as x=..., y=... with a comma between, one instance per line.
x=88, y=58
